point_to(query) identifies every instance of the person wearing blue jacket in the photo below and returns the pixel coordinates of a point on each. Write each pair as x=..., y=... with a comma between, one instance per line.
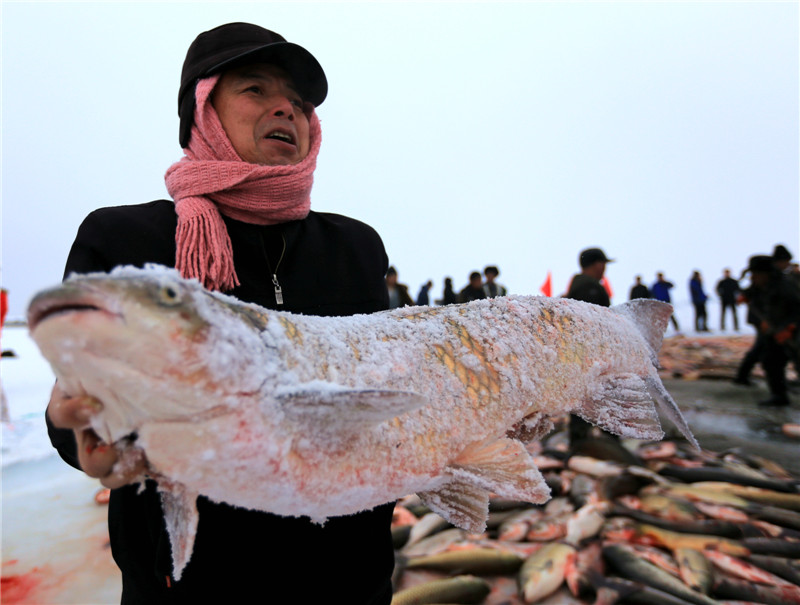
x=699, y=298
x=660, y=291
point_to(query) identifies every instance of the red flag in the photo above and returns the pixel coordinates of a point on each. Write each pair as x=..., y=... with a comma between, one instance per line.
x=607, y=286
x=547, y=286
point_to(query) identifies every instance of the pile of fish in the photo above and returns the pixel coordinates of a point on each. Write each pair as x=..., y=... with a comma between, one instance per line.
x=629, y=522
x=707, y=357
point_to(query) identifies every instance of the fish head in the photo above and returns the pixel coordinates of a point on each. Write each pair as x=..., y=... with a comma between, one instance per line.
x=148, y=344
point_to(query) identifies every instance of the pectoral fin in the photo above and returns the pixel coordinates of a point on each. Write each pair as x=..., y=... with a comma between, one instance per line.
x=323, y=402
x=463, y=504
x=181, y=517
x=502, y=466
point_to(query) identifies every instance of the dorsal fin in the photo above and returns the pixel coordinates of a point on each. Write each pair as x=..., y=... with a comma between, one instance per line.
x=650, y=316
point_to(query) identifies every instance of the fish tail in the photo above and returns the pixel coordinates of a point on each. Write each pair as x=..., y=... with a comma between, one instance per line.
x=668, y=407
x=651, y=318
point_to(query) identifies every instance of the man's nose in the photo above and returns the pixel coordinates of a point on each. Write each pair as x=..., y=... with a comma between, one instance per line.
x=283, y=108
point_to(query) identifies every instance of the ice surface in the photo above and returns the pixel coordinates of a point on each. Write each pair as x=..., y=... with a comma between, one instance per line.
x=27, y=381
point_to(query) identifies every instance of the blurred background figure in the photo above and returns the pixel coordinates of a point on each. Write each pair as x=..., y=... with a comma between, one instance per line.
x=473, y=290
x=639, y=290
x=781, y=257
x=448, y=295
x=490, y=287
x=422, y=296
x=660, y=291
x=587, y=285
x=398, y=293
x=728, y=291
x=779, y=311
x=4, y=415
x=699, y=298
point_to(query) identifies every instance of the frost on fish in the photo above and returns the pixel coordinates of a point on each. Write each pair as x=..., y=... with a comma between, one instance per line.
x=320, y=417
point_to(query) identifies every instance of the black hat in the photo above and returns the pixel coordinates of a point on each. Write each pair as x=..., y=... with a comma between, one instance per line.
x=761, y=263
x=591, y=255
x=235, y=44
x=781, y=253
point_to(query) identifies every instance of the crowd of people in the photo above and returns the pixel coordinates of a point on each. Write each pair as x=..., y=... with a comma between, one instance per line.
x=728, y=289
x=478, y=287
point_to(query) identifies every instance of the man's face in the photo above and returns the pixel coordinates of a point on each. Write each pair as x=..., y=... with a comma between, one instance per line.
x=596, y=270
x=262, y=114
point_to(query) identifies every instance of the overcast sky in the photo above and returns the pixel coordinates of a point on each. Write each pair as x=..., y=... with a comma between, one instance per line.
x=467, y=134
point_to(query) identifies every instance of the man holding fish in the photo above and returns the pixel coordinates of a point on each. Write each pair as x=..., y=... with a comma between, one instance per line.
x=240, y=223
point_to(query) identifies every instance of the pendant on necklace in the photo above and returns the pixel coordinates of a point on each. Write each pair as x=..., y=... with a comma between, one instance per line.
x=278, y=290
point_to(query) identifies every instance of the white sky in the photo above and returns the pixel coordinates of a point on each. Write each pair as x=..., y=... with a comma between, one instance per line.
x=467, y=134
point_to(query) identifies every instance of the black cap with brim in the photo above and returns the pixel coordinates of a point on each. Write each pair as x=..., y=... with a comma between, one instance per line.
x=592, y=255
x=760, y=263
x=235, y=44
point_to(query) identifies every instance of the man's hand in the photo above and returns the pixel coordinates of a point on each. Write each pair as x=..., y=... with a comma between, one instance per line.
x=111, y=464
x=783, y=336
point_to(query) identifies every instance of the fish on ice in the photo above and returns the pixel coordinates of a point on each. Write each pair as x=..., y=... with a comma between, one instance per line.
x=326, y=416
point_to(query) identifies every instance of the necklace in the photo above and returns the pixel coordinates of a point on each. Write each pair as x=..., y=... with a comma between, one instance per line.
x=278, y=289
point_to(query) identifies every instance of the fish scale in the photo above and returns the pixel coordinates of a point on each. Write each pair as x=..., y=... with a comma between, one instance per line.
x=331, y=403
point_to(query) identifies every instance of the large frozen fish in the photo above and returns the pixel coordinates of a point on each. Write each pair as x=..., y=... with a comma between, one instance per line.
x=319, y=417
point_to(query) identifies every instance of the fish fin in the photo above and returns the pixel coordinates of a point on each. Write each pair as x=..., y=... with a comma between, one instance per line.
x=622, y=404
x=462, y=503
x=502, y=466
x=181, y=517
x=670, y=409
x=651, y=317
x=318, y=401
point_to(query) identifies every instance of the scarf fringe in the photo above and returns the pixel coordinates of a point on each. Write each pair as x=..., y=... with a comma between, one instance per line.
x=205, y=232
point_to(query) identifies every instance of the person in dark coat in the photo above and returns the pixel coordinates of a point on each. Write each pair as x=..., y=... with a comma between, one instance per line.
x=423, y=297
x=473, y=290
x=238, y=80
x=728, y=291
x=586, y=286
x=639, y=290
x=778, y=315
x=490, y=287
x=448, y=295
x=398, y=293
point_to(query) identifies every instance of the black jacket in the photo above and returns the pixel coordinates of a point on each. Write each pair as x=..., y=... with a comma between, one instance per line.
x=332, y=265
x=588, y=289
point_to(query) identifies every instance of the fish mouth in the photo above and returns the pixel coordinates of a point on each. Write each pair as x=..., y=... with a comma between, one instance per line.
x=43, y=308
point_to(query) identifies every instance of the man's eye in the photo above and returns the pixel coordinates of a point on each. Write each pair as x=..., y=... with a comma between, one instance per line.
x=254, y=89
x=298, y=103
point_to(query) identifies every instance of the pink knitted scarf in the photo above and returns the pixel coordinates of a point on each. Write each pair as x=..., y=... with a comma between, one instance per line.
x=211, y=179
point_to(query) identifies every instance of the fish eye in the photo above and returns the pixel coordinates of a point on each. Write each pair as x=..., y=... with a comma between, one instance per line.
x=169, y=295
